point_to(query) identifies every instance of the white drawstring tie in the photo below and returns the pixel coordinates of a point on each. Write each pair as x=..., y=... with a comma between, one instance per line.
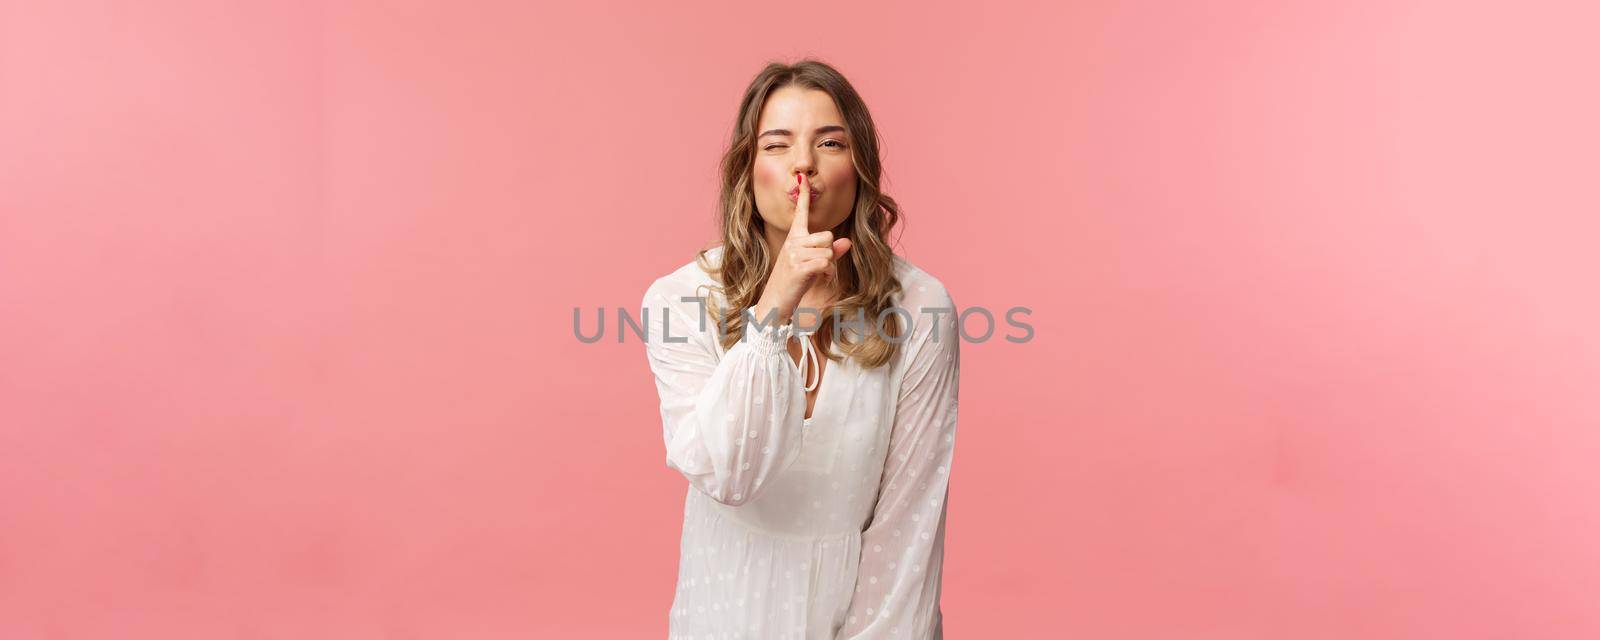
x=809, y=360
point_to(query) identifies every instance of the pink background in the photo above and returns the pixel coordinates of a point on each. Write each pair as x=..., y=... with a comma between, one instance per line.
x=286, y=294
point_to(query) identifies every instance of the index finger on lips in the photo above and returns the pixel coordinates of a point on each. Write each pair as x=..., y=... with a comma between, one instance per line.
x=802, y=208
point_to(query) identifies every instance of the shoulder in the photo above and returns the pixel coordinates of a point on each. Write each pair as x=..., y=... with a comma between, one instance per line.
x=920, y=289
x=928, y=304
x=688, y=279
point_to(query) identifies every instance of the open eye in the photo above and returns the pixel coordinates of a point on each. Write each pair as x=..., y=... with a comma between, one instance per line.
x=840, y=145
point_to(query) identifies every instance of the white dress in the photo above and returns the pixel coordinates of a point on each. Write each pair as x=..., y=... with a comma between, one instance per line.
x=799, y=528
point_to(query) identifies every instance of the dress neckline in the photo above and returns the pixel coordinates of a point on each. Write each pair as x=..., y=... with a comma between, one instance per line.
x=826, y=387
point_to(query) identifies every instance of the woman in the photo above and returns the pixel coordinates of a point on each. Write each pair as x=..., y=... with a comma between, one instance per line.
x=817, y=453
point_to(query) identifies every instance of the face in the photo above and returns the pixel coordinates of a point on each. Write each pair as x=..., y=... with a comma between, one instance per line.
x=801, y=131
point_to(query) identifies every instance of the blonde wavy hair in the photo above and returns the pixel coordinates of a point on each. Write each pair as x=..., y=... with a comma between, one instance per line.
x=866, y=280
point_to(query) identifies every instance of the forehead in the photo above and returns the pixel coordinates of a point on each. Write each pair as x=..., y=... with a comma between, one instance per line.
x=798, y=109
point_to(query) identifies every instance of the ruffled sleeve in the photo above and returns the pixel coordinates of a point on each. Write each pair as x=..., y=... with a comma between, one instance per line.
x=902, y=548
x=730, y=424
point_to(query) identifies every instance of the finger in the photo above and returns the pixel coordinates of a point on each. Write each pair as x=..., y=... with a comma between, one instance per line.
x=801, y=255
x=815, y=266
x=818, y=239
x=802, y=208
x=840, y=246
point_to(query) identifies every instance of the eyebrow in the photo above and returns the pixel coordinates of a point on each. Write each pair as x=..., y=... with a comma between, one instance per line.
x=785, y=132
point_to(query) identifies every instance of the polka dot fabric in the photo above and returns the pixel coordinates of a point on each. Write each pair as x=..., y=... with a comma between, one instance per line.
x=829, y=527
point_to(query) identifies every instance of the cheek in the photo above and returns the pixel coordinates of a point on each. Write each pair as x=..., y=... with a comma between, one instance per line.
x=768, y=176
x=842, y=183
x=840, y=173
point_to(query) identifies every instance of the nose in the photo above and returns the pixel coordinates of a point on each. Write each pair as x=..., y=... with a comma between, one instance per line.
x=803, y=164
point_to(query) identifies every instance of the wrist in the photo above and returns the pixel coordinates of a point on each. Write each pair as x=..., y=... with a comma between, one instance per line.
x=768, y=312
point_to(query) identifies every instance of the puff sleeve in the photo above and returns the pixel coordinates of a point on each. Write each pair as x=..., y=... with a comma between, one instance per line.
x=902, y=548
x=730, y=424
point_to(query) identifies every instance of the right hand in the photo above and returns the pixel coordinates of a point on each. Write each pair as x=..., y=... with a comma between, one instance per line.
x=805, y=260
